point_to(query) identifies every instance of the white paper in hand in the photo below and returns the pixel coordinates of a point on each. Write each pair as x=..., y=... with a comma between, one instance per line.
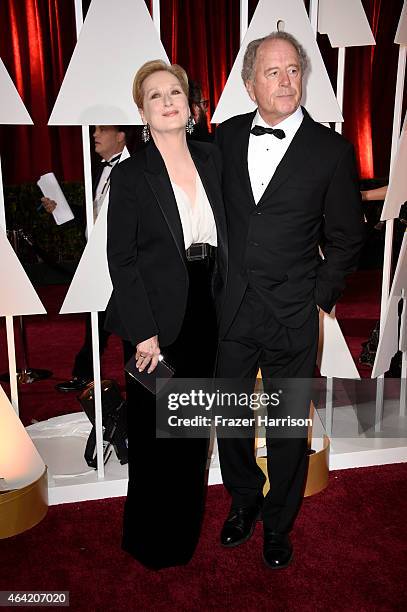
x=51, y=189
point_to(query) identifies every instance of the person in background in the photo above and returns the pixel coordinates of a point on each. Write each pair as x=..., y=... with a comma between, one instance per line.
x=369, y=347
x=109, y=141
x=199, y=111
x=374, y=194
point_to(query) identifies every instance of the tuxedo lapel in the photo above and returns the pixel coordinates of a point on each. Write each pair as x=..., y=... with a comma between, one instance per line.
x=96, y=178
x=240, y=154
x=157, y=177
x=293, y=158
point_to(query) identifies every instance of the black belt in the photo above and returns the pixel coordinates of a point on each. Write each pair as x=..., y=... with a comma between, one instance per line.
x=199, y=251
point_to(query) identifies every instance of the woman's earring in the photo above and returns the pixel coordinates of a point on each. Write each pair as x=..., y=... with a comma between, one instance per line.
x=190, y=125
x=145, y=133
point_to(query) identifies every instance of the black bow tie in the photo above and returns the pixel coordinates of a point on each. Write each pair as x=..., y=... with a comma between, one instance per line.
x=105, y=163
x=259, y=130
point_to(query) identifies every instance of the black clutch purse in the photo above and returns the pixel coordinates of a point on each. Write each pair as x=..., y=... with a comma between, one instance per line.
x=155, y=381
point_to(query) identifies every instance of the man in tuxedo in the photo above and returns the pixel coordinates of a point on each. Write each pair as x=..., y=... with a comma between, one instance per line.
x=110, y=141
x=290, y=185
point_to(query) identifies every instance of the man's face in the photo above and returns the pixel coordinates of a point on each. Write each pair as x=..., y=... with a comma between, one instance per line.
x=199, y=111
x=108, y=140
x=277, y=82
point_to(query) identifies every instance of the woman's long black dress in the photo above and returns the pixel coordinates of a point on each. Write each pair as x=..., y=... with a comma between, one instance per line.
x=167, y=477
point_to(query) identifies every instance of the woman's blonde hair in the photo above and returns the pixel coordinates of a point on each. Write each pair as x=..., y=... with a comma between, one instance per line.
x=148, y=69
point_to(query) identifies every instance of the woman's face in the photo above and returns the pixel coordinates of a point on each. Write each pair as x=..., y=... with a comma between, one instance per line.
x=165, y=106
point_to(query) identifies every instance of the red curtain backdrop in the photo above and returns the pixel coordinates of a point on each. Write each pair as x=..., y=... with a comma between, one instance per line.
x=370, y=84
x=203, y=37
x=37, y=38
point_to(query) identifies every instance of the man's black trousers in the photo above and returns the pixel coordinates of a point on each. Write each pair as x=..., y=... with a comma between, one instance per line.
x=257, y=340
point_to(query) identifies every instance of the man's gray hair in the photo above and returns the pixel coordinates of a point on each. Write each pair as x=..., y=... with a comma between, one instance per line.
x=250, y=55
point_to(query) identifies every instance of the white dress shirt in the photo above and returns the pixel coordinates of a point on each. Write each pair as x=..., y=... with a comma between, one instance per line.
x=197, y=220
x=265, y=152
x=102, y=186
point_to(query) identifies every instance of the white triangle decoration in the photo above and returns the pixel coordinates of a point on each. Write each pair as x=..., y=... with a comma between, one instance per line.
x=12, y=109
x=20, y=462
x=115, y=40
x=91, y=286
x=17, y=295
x=318, y=95
x=401, y=34
x=345, y=23
x=397, y=190
x=388, y=346
x=334, y=357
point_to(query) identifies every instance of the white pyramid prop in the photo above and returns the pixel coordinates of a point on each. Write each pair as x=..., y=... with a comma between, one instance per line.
x=397, y=191
x=17, y=295
x=401, y=34
x=388, y=338
x=91, y=286
x=345, y=22
x=115, y=40
x=12, y=109
x=334, y=358
x=318, y=95
x=20, y=462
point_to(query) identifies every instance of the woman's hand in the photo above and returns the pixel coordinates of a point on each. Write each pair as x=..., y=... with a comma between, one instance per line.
x=147, y=351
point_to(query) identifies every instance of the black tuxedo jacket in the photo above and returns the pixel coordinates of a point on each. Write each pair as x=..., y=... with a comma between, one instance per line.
x=145, y=244
x=313, y=198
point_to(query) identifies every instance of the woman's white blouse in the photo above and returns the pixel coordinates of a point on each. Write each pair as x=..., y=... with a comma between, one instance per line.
x=197, y=220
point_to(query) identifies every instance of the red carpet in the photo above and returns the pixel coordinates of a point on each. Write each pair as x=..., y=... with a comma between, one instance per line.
x=350, y=555
x=53, y=341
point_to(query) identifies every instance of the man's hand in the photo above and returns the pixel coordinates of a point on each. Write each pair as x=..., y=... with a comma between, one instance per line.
x=148, y=352
x=48, y=204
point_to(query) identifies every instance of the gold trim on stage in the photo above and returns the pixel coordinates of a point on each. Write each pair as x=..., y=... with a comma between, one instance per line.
x=318, y=471
x=23, y=508
x=318, y=465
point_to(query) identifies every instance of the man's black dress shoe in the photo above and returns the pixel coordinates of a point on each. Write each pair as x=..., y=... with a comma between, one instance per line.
x=75, y=384
x=277, y=550
x=240, y=524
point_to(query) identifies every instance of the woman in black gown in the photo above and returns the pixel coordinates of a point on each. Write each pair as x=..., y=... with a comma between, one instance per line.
x=167, y=259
